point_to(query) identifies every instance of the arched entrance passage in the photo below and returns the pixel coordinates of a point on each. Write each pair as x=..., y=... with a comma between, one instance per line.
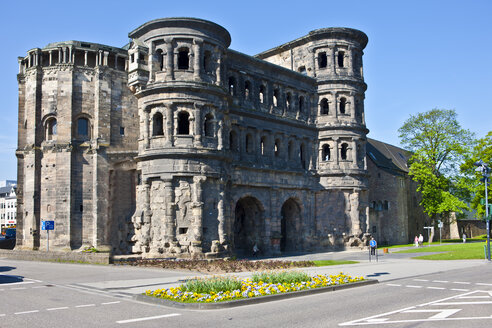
x=290, y=225
x=248, y=225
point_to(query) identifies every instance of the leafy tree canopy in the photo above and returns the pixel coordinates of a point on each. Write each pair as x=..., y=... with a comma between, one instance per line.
x=438, y=144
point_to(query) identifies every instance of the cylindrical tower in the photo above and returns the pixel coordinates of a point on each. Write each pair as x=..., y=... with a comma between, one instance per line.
x=176, y=72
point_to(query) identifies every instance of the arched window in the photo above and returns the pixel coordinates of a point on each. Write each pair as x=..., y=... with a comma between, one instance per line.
x=275, y=97
x=302, y=155
x=343, y=105
x=208, y=125
x=207, y=58
x=183, y=123
x=324, y=106
x=344, y=151
x=291, y=150
x=83, y=127
x=233, y=142
x=232, y=86
x=159, y=58
x=301, y=104
x=249, y=143
x=263, y=145
x=157, y=125
x=288, y=100
x=277, y=147
x=326, y=153
x=51, y=128
x=322, y=60
x=183, y=58
x=341, y=56
x=261, y=94
x=247, y=90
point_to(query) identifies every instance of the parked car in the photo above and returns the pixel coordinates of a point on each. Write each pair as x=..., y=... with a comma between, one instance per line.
x=8, y=241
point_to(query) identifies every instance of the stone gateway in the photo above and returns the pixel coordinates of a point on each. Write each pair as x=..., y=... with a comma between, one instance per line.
x=177, y=146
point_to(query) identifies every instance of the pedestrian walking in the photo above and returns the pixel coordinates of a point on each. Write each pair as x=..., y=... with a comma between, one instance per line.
x=256, y=250
x=464, y=237
x=421, y=240
x=416, y=241
x=373, y=244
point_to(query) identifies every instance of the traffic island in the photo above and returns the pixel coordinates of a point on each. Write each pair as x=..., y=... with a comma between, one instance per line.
x=248, y=292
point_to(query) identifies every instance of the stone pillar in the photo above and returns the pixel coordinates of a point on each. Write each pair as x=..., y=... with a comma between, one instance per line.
x=354, y=152
x=169, y=224
x=64, y=55
x=116, y=61
x=60, y=55
x=333, y=59
x=169, y=59
x=197, y=137
x=146, y=133
x=218, y=71
x=351, y=106
x=151, y=61
x=70, y=54
x=221, y=214
x=354, y=213
x=220, y=134
x=85, y=58
x=105, y=60
x=336, y=150
x=169, y=126
x=51, y=57
x=197, y=214
x=197, y=47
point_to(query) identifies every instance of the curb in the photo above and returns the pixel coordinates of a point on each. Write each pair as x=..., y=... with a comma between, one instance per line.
x=249, y=301
x=56, y=256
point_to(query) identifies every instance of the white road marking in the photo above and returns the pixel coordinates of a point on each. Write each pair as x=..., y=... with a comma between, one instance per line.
x=420, y=280
x=18, y=283
x=441, y=281
x=58, y=308
x=478, y=296
x=436, y=287
x=461, y=282
x=464, y=303
x=18, y=288
x=396, y=285
x=39, y=287
x=85, y=305
x=2, y=315
x=482, y=284
x=377, y=320
x=25, y=312
x=460, y=290
x=413, y=286
x=34, y=280
x=440, y=315
x=149, y=318
x=107, y=303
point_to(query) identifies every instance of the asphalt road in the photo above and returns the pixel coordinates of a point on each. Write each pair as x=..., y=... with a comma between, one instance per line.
x=411, y=294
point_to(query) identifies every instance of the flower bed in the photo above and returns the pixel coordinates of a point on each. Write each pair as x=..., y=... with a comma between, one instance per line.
x=248, y=289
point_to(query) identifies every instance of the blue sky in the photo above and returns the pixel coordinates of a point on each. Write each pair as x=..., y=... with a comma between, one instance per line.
x=421, y=54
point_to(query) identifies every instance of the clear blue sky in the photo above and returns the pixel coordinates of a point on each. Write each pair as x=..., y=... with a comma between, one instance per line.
x=421, y=54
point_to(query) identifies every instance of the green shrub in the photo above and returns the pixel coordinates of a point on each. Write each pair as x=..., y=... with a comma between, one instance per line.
x=214, y=284
x=281, y=277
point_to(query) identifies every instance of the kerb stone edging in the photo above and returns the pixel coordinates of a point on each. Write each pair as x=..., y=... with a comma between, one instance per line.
x=92, y=258
x=248, y=301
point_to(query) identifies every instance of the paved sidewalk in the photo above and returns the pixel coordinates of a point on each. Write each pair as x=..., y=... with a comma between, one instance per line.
x=389, y=267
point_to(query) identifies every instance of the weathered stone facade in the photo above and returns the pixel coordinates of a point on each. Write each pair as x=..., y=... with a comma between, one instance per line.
x=179, y=146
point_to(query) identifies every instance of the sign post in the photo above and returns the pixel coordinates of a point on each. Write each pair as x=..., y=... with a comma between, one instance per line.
x=428, y=234
x=48, y=225
x=440, y=224
x=485, y=170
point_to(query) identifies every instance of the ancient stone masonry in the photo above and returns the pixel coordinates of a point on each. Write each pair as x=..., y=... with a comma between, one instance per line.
x=178, y=146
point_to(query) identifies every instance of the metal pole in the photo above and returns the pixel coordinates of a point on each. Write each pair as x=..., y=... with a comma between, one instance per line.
x=48, y=241
x=487, y=218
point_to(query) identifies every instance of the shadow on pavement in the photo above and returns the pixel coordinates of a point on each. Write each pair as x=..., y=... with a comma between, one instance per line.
x=8, y=279
x=377, y=274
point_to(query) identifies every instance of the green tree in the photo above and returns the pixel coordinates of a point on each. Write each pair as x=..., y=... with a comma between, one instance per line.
x=439, y=144
x=471, y=178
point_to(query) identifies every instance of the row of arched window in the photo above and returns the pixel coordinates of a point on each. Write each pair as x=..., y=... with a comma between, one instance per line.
x=82, y=128
x=259, y=95
x=323, y=59
x=325, y=107
x=326, y=152
x=183, y=124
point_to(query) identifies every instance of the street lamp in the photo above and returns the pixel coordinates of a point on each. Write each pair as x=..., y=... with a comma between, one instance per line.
x=485, y=170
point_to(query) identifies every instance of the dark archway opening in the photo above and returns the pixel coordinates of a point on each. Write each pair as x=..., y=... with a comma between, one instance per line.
x=248, y=225
x=290, y=225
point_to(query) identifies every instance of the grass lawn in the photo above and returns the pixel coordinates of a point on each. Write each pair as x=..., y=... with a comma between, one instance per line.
x=332, y=262
x=478, y=238
x=466, y=251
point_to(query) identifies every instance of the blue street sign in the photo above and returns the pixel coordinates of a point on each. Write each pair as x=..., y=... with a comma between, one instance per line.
x=47, y=225
x=372, y=243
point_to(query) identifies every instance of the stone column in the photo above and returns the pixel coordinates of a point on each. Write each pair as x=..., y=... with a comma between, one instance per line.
x=354, y=212
x=85, y=58
x=336, y=150
x=352, y=106
x=51, y=57
x=70, y=54
x=151, y=61
x=197, y=47
x=169, y=125
x=218, y=71
x=197, y=138
x=354, y=152
x=146, y=133
x=169, y=59
x=116, y=61
x=169, y=224
x=333, y=59
x=64, y=55
x=106, y=55
x=221, y=214
x=197, y=214
x=60, y=55
x=348, y=61
x=220, y=134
